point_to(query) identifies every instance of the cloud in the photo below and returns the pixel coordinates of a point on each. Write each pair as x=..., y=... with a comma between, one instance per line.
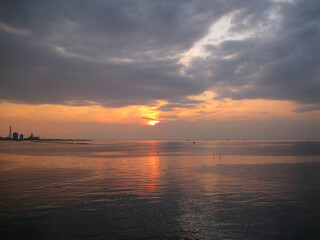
x=277, y=59
x=147, y=118
x=183, y=103
x=307, y=108
x=113, y=53
x=35, y=74
x=13, y=30
x=116, y=53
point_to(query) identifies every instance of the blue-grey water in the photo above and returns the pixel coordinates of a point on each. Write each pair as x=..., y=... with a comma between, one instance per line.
x=160, y=190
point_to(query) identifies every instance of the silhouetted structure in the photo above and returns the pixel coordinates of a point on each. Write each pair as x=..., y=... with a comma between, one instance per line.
x=15, y=136
x=30, y=137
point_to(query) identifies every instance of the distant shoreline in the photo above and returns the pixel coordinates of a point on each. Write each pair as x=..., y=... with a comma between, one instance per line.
x=48, y=140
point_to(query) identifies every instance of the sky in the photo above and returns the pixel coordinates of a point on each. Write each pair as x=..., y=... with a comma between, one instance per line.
x=169, y=69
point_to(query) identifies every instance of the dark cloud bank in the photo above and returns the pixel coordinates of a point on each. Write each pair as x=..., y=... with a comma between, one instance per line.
x=119, y=53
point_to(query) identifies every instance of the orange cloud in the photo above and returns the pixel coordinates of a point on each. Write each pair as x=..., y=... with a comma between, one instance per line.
x=92, y=113
x=211, y=108
x=229, y=109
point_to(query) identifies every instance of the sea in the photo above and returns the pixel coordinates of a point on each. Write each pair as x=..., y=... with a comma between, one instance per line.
x=218, y=189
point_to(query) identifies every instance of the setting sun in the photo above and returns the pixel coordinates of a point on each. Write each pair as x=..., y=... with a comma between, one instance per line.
x=153, y=122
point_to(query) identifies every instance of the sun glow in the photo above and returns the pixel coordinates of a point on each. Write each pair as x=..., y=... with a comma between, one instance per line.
x=60, y=117
x=153, y=122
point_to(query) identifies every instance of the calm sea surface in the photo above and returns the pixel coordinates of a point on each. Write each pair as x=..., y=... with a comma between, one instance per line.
x=160, y=190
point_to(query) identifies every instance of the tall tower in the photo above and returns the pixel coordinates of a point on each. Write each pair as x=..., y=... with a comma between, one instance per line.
x=10, y=132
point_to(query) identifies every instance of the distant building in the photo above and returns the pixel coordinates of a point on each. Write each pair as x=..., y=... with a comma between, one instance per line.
x=21, y=137
x=15, y=136
x=31, y=137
